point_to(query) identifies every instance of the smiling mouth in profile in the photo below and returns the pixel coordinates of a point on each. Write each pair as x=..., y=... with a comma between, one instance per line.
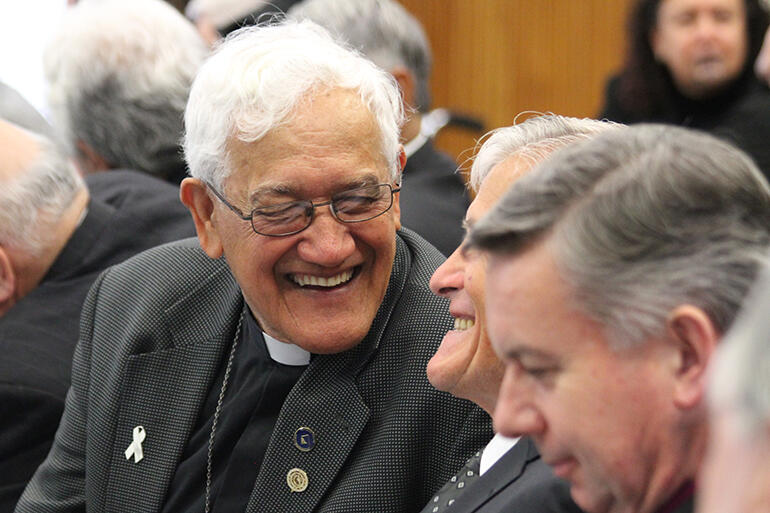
x=463, y=323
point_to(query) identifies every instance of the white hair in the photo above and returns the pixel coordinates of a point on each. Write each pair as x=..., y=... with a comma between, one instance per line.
x=119, y=74
x=740, y=376
x=383, y=30
x=33, y=200
x=254, y=80
x=533, y=139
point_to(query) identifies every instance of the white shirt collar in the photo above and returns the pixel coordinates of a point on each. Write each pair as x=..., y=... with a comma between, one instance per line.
x=285, y=353
x=495, y=450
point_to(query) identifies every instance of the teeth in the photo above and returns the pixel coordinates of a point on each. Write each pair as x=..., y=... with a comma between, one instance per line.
x=304, y=280
x=464, y=324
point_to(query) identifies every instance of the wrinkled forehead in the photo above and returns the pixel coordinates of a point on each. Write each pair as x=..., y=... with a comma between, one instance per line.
x=330, y=131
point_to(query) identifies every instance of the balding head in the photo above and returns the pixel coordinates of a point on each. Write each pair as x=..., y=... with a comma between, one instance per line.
x=42, y=197
x=18, y=149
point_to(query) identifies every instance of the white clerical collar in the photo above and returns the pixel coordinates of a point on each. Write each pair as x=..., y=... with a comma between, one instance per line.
x=495, y=450
x=285, y=353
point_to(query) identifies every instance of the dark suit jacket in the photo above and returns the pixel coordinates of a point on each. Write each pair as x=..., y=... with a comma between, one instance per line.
x=519, y=481
x=434, y=198
x=153, y=334
x=128, y=212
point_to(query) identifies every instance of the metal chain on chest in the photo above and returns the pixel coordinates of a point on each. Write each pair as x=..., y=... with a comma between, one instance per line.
x=219, y=408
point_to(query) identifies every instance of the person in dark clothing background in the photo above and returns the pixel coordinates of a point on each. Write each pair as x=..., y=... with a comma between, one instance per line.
x=57, y=233
x=118, y=76
x=690, y=63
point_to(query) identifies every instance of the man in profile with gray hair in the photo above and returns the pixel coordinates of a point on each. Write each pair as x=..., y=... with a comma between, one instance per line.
x=614, y=271
x=118, y=76
x=433, y=196
x=276, y=363
x=57, y=233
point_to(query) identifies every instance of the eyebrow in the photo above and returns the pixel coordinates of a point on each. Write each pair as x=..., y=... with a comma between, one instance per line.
x=519, y=353
x=285, y=189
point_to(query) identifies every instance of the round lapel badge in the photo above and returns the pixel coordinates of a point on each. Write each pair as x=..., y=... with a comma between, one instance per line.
x=297, y=480
x=304, y=439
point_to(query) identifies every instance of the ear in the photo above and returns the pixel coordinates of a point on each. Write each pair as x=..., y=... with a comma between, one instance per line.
x=696, y=338
x=8, y=281
x=89, y=160
x=196, y=198
x=406, y=83
x=397, y=197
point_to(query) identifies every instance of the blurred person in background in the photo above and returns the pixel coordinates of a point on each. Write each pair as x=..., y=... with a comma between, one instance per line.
x=57, y=233
x=118, y=76
x=690, y=63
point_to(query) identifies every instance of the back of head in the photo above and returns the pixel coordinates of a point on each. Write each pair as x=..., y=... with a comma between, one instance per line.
x=34, y=196
x=533, y=139
x=259, y=75
x=642, y=220
x=382, y=30
x=119, y=74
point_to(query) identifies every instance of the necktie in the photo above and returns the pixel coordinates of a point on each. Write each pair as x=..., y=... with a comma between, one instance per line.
x=448, y=493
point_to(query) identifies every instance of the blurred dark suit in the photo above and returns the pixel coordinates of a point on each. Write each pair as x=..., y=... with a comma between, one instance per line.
x=434, y=198
x=128, y=212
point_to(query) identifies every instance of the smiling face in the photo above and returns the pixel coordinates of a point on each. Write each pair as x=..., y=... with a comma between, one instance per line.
x=319, y=289
x=703, y=43
x=601, y=418
x=465, y=364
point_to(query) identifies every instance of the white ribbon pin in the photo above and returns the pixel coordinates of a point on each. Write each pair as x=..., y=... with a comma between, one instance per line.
x=135, y=449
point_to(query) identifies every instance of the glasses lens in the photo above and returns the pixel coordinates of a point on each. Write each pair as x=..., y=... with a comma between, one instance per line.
x=281, y=219
x=362, y=203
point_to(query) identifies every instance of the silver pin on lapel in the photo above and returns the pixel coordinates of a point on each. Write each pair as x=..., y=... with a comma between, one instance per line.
x=135, y=449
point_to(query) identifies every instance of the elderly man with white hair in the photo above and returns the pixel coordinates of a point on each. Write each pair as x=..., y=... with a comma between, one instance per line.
x=276, y=363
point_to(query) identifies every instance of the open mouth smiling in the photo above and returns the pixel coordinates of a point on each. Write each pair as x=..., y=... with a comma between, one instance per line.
x=324, y=282
x=463, y=323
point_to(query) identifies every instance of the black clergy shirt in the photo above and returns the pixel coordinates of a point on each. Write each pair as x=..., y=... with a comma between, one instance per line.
x=256, y=389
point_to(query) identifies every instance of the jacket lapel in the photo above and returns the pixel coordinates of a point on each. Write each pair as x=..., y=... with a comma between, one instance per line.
x=163, y=392
x=505, y=471
x=326, y=401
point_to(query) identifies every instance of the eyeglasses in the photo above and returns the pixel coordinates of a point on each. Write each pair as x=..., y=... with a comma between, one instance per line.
x=350, y=206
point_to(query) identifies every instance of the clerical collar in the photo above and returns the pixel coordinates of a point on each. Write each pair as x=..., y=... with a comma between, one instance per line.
x=285, y=353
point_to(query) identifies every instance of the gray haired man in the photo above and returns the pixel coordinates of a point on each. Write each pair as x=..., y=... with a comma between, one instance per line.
x=615, y=269
x=118, y=77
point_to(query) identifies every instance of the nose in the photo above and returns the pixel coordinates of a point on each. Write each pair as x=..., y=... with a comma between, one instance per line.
x=326, y=242
x=448, y=278
x=706, y=26
x=516, y=414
